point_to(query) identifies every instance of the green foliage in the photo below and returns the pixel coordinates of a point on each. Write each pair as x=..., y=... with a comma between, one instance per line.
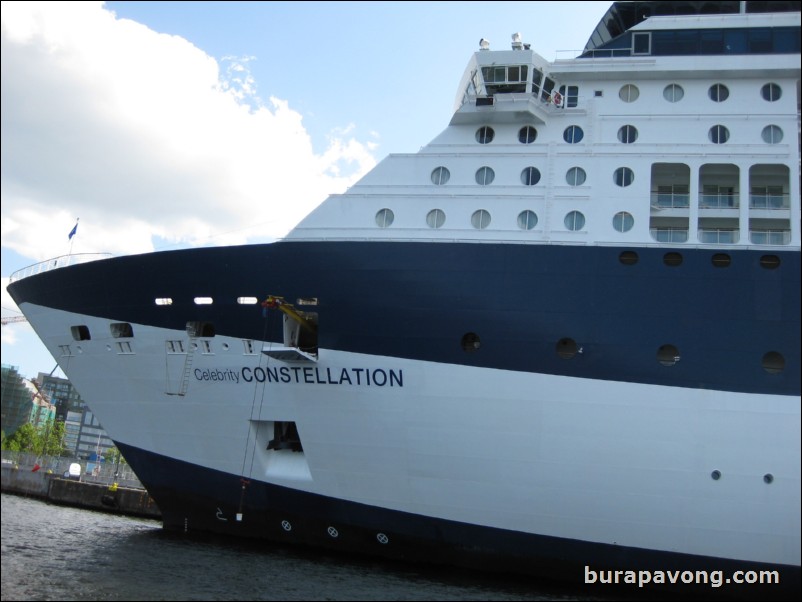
x=22, y=440
x=46, y=440
x=113, y=456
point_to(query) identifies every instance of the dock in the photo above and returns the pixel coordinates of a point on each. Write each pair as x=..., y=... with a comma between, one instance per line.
x=57, y=489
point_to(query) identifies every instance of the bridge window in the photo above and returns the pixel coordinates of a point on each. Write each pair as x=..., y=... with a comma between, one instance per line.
x=500, y=79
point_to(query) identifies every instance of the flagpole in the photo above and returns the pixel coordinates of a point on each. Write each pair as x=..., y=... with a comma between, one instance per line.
x=72, y=233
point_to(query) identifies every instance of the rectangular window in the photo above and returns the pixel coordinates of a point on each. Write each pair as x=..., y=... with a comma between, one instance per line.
x=121, y=330
x=641, y=43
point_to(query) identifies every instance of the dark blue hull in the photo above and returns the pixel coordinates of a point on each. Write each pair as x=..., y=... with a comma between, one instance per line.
x=192, y=498
x=418, y=300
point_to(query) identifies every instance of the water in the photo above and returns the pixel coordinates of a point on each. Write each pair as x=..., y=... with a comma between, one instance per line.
x=59, y=553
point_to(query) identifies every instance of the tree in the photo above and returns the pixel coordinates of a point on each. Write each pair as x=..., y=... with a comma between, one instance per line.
x=23, y=439
x=47, y=440
x=52, y=438
x=114, y=456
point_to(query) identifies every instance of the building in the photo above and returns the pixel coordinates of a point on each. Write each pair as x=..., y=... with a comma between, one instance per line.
x=83, y=433
x=16, y=400
x=43, y=412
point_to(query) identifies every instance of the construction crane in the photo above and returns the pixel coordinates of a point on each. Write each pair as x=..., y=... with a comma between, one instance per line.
x=12, y=319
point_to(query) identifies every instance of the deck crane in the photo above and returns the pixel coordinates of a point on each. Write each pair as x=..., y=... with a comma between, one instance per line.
x=274, y=302
x=300, y=332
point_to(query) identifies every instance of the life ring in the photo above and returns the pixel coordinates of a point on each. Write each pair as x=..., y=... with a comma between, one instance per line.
x=557, y=98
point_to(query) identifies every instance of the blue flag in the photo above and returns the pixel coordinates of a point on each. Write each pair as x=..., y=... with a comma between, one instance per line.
x=73, y=231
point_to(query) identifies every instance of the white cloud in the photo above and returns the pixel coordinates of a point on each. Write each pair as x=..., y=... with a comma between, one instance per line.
x=140, y=135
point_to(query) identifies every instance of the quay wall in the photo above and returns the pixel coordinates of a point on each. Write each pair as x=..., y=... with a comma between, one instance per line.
x=56, y=489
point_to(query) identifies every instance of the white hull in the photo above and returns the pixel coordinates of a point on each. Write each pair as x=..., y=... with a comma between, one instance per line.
x=607, y=462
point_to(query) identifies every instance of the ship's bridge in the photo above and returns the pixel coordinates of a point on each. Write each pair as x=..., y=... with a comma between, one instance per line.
x=499, y=86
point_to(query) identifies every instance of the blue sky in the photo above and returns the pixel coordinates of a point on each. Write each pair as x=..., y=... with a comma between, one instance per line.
x=173, y=124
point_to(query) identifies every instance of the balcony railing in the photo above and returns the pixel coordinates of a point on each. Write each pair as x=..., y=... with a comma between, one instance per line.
x=718, y=201
x=718, y=235
x=669, y=234
x=769, y=201
x=668, y=200
x=770, y=237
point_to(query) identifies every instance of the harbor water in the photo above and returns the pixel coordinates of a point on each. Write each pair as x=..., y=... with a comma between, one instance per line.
x=54, y=552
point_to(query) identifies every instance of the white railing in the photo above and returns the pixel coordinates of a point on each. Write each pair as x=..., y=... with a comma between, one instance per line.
x=56, y=263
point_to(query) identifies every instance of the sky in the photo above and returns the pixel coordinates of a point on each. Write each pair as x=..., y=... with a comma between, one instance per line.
x=167, y=125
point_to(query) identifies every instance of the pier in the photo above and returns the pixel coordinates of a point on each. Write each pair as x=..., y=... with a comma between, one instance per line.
x=88, y=492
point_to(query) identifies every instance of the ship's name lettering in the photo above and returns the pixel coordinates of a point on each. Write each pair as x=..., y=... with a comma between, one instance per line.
x=358, y=377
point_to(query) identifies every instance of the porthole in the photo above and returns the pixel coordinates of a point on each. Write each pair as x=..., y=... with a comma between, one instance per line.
x=527, y=220
x=527, y=135
x=480, y=219
x=530, y=176
x=770, y=262
x=567, y=348
x=440, y=175
x=485, y=135
x=718, y=93
x=623, y=176
x=672, y=259
x=768, y=478
x=628, y=134
x=435, y=218
x=471, y=342
x=673, y=93
x=718, y=134
x=773, y=362
x=575, y=176
x=203, y=300
x=715, y=475
x=668, y=355
x=485, y=175
x=628, y=257
x=573, y=134
x=721, y=260
x=574, y=221
x=771, y=92
x=623, y=221
x=629, y=93
x=384, y=218
x=772, y=134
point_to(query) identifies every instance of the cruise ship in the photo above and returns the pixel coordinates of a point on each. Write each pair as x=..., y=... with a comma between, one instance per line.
x=561, y=340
